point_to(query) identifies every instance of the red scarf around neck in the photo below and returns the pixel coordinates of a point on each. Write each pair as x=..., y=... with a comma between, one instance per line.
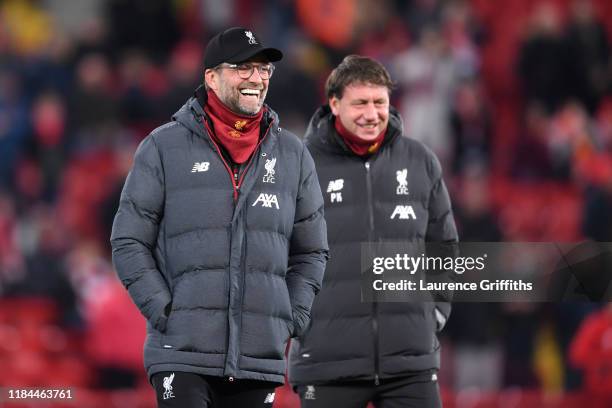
x=357, y=145
x=238, y=134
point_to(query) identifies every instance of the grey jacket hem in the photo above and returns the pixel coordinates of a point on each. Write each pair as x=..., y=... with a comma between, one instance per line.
x=214, y=372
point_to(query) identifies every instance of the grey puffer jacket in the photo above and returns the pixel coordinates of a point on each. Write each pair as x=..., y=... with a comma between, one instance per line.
x=225, y=271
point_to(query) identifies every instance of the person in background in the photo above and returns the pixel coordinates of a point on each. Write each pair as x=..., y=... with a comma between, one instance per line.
x=591, y=351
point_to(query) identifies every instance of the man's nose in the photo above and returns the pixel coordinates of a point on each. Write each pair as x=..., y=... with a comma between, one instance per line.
x=370, y=112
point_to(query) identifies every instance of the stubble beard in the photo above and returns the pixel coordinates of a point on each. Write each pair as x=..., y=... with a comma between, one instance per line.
x=231, y=99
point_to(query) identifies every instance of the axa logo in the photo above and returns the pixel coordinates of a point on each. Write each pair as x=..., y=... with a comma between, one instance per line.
x=405, y=212
x=402, y=181
x=168, y=387
x=199, y=167
x=270, y=172
x=267, y=200
x=334, y=189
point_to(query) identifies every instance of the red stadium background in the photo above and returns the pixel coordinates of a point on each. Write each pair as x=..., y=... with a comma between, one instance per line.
x=514, y=96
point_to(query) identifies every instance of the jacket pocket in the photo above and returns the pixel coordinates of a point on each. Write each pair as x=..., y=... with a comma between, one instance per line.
x=172, y=339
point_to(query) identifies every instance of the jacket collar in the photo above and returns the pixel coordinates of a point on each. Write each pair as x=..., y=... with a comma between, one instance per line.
x=193, y=117
x=322, y=134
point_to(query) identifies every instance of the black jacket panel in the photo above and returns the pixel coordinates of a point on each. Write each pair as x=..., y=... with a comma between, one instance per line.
x=366, y=202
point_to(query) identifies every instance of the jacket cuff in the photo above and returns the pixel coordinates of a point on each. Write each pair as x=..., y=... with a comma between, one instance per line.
x=440, y=319
x=442, y=312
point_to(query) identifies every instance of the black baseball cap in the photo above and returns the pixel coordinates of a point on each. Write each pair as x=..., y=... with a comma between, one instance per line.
x=236, y=44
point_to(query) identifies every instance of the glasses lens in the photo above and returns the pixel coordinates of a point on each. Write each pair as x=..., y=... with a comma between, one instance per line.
x=246, y=70
x=266, y=71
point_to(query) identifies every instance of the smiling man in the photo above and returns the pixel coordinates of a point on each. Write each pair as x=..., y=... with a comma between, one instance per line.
x=220, y=237
x=379, y=186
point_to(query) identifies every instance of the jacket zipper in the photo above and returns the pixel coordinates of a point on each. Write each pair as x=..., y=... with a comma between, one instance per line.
x=236, y=184
x=238, y=180
x=234, y=174
x=246, y=169
x=227, y=167
x=374, y=304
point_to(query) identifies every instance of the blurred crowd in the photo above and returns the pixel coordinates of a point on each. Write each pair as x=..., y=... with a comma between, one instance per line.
x=515, y=97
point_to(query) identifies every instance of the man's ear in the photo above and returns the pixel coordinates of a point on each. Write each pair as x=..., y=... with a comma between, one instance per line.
x=211, y=79
x=334, y=104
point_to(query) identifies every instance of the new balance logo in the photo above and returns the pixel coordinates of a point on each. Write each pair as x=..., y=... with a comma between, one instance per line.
x=266, y=200
x=269, y=398
x=334, y=187
x=200, y=167
x=405, y=212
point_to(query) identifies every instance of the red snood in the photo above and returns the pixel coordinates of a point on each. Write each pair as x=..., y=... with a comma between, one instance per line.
x=358, y=146
x=238, y=134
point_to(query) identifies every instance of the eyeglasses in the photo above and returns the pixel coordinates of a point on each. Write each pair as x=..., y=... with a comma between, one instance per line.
x=246, y=70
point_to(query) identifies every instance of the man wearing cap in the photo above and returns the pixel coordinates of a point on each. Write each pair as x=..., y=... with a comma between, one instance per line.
x=220, y=237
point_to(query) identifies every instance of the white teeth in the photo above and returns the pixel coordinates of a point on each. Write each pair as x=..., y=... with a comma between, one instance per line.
x=249, y=92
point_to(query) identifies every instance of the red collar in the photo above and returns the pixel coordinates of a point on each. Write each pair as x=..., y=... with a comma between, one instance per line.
x=357, y=145
x=238, y=134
